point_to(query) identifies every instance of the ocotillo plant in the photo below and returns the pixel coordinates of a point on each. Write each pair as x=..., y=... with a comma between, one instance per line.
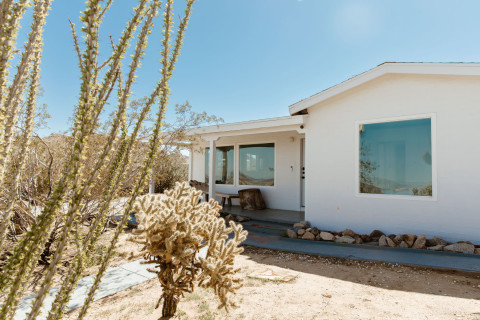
x=173, y=230
x=98, y=80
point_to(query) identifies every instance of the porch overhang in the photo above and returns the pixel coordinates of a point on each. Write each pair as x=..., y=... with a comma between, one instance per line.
x=272, y=125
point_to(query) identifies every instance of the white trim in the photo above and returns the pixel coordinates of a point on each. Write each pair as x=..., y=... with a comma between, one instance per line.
x=433, y=128
x=463, y=69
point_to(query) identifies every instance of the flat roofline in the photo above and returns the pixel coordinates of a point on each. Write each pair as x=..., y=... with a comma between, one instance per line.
x=270, y=123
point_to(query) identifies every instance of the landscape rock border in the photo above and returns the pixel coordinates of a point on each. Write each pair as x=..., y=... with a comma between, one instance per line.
x=302, y=230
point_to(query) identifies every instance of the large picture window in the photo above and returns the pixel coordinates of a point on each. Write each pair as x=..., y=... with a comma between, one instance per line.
x=224, y=165
x=396, y=157
x=257, y=164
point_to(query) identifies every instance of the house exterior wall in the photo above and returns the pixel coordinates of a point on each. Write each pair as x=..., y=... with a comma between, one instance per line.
x=285, y=194
x=332, y=201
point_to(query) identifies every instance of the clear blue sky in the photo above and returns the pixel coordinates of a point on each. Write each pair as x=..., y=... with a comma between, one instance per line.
x=251, y=59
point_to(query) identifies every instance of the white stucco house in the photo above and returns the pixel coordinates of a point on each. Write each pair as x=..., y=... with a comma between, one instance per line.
x=396, y=148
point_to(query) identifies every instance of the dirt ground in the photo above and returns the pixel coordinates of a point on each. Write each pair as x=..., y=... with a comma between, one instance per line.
x=325, y=288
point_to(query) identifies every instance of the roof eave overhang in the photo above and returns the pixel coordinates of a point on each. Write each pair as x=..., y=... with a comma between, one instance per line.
x=465, y=69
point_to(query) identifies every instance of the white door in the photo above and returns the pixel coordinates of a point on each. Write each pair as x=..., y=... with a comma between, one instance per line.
x=302, y=173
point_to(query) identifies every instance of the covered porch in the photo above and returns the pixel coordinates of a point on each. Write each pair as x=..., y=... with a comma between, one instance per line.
x=262, y=154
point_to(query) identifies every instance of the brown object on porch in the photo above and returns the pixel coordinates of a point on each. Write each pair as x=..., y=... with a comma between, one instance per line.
x=201, y=186
x=227, y=196
x=251, y=199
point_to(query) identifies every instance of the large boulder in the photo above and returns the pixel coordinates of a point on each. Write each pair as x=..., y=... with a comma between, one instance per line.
x=291, y=234
x=349, y=233
x=382, y=242
x=390, y=242
x=365, y=238
x=326, y=236
x=420, y=243
x=308, y=236
x=460, y=247
x=409, y=239
x=399, y=238
x=358, y=239
x=345, y=239
x=403, y=244
x=301, y=232
x=477, y=251
x=299, y=225
x=435, y=241
x=376, y=234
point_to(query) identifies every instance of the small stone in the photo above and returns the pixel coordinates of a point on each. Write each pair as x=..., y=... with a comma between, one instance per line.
x=242, y=219
x=301, y=232
x=349, y=233
x=229, y=217
x=326, y=236
x=435, y=241
x=382, y=242
x=390, y=242
x=308, y=236
x=315, y=231
x=345, y=239
x=409, y=239
x=438, y=247
x=305, y=223
x=299, y=225
x=420, y=243
x=403, y=244
x=291, y=234
x=376, y=234
x=477, y=251
x=460, y=247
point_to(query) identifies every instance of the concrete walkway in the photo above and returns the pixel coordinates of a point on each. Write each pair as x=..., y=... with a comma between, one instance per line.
x=115, y=280
x=268, y=235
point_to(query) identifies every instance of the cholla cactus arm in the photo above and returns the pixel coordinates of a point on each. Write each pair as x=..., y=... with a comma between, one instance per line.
x=173, y=229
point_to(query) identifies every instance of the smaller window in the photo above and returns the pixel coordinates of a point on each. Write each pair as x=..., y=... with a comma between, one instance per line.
x=257, y=164
x=223, y=165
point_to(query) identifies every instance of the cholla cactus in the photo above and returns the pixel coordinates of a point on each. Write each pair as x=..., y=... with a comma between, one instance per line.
x=188, y=242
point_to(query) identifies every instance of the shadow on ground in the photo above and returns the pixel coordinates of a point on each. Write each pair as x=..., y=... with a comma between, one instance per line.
x=389, y=276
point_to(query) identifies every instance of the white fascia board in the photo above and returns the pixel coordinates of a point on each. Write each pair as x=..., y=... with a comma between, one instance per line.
x=254, y=126
x=464, y=69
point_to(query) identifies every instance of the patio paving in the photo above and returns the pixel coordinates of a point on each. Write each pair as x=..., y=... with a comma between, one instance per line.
x=271, y=215
x=115, y=280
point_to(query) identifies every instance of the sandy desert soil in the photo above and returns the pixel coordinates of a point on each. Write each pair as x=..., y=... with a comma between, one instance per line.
x=325, y=288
